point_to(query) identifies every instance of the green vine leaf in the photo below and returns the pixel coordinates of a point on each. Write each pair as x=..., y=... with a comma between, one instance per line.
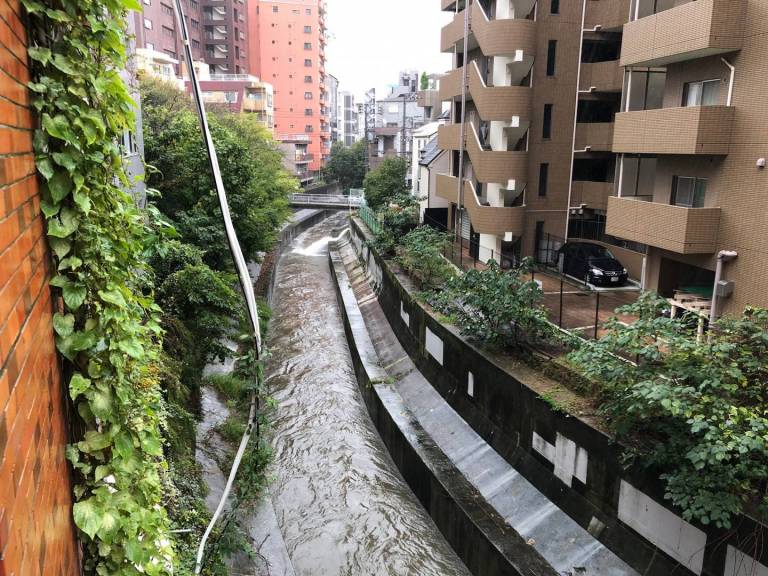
x=87, y=517
x=78, y=385
x=64, y=324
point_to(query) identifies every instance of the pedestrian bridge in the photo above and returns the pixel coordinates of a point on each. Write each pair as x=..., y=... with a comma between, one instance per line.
x=325, y=201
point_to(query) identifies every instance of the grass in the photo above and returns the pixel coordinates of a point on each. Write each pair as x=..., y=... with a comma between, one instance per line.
x=228, y=385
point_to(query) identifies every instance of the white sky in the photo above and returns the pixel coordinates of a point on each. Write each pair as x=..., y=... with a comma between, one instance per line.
x=370, y=41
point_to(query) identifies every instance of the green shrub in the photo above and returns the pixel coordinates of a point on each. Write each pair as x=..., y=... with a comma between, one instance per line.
x=421, y=256
x=386, y=182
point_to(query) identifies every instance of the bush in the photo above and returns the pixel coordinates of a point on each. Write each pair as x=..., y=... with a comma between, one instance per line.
x=697, y=412
x=491, y=305
x=386, y=182
x=421, y=256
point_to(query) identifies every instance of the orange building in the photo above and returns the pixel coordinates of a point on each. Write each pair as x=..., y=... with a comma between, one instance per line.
x=286, y=47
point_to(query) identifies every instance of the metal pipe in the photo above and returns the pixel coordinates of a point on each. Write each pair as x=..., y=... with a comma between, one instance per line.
x=462, y=130
x=575, y=118
x=722, y=257
x=731, y=81
x=242, y=269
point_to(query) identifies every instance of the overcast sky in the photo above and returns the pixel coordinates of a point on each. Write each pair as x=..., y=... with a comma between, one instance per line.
x=372, y=40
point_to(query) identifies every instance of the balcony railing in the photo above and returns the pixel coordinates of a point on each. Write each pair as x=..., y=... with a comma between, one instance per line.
x=607, y=14
x=597, y=136
x=504, y=103
x=691, y=30
x=503, y=37
x=593, y=194
x=496, y=220
x=450, y=84
x=602, y=76
x=688, y=130
x=674, y=228
x=452, y=33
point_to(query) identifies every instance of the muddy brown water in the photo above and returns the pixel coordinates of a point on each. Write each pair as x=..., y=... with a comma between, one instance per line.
x=341, y=504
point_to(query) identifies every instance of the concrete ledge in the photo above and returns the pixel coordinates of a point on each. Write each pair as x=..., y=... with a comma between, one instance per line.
x=477, y=533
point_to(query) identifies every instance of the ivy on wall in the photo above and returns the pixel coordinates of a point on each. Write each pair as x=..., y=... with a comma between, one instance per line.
x=107, y=328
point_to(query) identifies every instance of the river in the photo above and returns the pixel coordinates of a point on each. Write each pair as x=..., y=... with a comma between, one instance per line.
x=341, y=504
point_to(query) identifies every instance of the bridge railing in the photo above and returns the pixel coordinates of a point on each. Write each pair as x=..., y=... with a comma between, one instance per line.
x=326, y=200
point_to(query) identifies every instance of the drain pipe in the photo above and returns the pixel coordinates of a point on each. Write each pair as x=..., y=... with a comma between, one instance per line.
x=462, y=130
x=732, y=68
x=576, y=118
x=244, y=276
x=722, y=257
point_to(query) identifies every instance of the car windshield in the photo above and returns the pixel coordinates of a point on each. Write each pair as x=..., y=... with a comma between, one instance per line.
x=595, y=252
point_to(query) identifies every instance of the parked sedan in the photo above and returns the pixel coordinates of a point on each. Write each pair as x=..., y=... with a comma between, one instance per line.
x=593, y=263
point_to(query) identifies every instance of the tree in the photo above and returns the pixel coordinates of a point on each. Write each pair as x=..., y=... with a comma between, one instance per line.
x=386, y=182
x=697, y=413
x=424, y=81
x=347, y=165
x=257, y=186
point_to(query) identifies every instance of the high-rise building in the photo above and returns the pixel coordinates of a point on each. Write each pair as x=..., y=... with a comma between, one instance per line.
x=349, y=131
x=287, y=49
x=332, y=109
x=217, y=31
x=636, y=124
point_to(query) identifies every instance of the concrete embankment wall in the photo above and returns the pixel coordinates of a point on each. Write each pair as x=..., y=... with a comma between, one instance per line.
x=575, y=465
x=480, y=537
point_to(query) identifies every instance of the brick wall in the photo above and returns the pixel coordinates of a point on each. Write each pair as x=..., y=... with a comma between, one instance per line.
x=37, y=536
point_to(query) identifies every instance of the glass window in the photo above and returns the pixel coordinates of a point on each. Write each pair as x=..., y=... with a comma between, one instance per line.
x=638, y=176
x=147, y=23
x=307, y=45
x=546, y=131
x=307, y=62
x=274, y=8
x=704, y=93
x=308, y=29
x=551, y=57
x=645, y=89
x=555, y=7
x=688, y=191
x=543, y=179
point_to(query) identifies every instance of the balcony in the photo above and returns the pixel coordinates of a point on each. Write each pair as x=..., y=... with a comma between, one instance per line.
x=674, y=228
x=452, y=33
x=597, y=136
x=602, y=77
x=450, y=84
x=593, y=194
x=427, y=98
x=503, y=37
x=691, y=130
x=607, y=14
x=504, y=103
x=495, y=220
x=689, y=31
x=500, y=167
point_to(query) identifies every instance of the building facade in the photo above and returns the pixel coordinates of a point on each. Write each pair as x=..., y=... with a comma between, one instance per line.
x=287, y=49
x=332, y=109
x=217, y=31
x=637, y=124
x=349, y=130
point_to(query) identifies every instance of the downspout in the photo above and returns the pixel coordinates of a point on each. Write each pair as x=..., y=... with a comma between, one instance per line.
x=575, y=118
x=731, y=81
x=722, y=257
x=462, y=130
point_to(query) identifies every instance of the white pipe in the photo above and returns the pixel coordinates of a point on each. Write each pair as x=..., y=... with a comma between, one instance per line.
x=462, y=129
x=722, y=256
x=242, y=268
x=575, y=118
x=730, y=82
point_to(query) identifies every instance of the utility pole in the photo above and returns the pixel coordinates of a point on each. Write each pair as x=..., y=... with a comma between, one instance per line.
x=402, y=130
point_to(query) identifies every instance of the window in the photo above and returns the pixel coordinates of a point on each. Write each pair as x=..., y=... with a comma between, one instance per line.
x=195, y=24
x=308, y=79
x=551, y=57
x=147, y=23
x=546, y=130
x=309, y=128
x=307, y=111
x=150, y=46
x=307, y=95
x=169, y=32
x=307, y=29
x=643, y=90
x=688, y=192
x=638, y=176
x=307, y=45
x=165, y=9
x=705, y=93
x=308, y=12
x=274, y=8
x=554, y=8
x=297, y=12
x=307, y=62
x=543, y=179
x=195, y=44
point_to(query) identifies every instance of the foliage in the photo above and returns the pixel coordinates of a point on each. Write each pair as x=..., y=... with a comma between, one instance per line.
x=257, y=185
x=229, y=385
x=386, y=182
x=488, y=303
x=396, y=219
x=421, y=256
x=108, y=327
x=424, y=81
x=699, y=409
x=347, y=165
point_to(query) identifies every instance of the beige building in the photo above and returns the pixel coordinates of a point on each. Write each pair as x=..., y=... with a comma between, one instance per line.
x=639, y=124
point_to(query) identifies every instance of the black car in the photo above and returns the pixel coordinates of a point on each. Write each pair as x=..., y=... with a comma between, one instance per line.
x=593, y=263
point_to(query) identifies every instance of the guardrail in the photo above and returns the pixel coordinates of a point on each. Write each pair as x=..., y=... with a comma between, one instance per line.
x=326, y=200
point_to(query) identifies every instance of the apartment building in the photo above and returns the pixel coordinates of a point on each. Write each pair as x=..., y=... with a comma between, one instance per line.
x=638, y=124
x=332, y=87
x=349, y=130
x=217, y=31
x=287, y=49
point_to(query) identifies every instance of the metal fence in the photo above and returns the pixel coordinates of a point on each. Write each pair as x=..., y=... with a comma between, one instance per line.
x=369, y=217
x=326, y=200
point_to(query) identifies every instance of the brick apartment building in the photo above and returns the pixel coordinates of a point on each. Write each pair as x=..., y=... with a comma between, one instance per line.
x=638, y=124
x=287, y=49
x=217, y=30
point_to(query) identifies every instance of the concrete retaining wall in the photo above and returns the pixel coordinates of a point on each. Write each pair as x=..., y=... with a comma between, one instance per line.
x=573, y=464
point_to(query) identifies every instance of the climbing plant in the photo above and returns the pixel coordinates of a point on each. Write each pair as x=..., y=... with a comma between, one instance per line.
x=107, y=325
